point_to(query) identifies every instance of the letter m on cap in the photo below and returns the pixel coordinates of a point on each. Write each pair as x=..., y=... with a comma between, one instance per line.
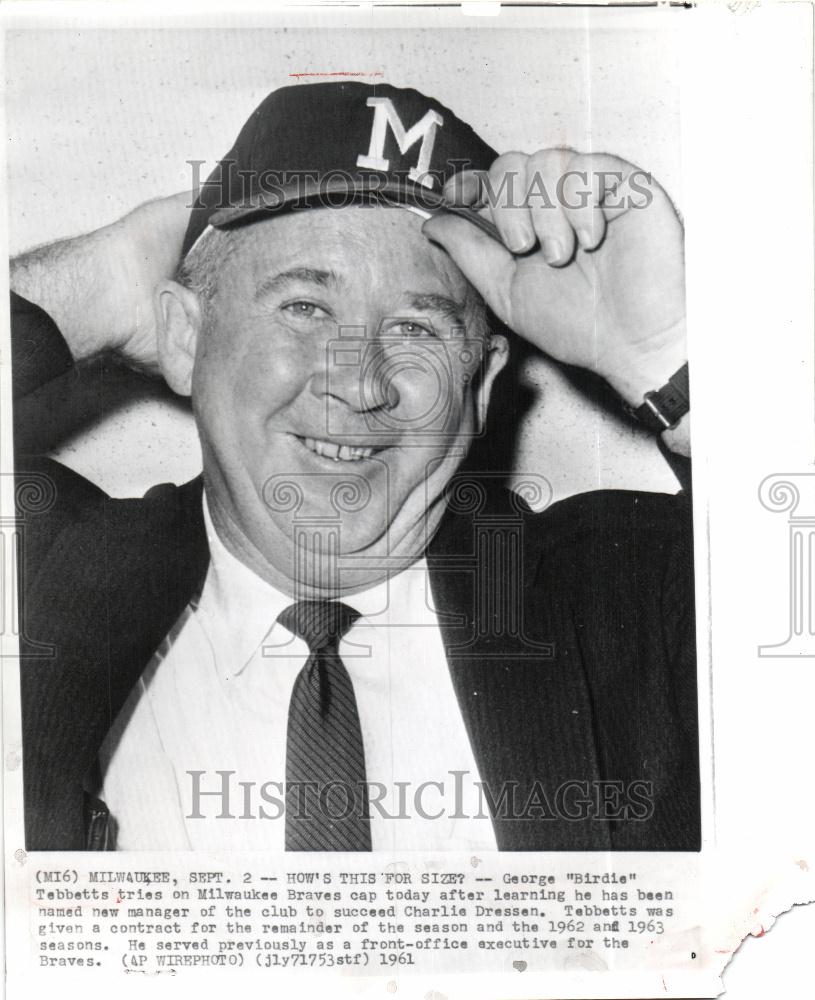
x=425, y=130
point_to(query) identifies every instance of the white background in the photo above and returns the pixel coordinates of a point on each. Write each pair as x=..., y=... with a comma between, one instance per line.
x=738, y=83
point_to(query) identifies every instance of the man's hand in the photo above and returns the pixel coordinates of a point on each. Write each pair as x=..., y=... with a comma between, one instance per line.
x=590, y=267
x=99, y=288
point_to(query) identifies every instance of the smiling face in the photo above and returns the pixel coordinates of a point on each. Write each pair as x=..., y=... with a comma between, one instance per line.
x=338, y=374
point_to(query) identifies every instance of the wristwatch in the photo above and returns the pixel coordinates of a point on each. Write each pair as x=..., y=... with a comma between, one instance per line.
x=662, y=409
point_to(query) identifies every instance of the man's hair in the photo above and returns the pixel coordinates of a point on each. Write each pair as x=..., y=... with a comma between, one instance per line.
x=198, y=271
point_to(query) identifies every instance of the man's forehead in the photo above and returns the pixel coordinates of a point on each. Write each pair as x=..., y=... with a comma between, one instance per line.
x=346, y=246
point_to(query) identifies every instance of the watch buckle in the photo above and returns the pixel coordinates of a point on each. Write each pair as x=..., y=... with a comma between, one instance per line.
x=649, y=401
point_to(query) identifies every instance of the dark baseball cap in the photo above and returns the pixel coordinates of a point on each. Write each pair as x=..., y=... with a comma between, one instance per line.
x=337, y=144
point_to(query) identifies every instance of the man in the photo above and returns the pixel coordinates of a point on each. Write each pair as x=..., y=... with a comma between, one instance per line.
x=349, y=616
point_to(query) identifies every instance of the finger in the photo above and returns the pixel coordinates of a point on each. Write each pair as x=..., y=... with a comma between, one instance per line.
x=544, y=171
x=485, y=263
x=464, y=188
x=637, y=190
x=615, y=186
x=505, y=186
x=578, y=199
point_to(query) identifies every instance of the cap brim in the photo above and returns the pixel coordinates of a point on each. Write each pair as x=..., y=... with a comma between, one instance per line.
x=344, y=191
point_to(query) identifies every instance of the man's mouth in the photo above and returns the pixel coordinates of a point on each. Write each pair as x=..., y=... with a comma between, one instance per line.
x=338, y=452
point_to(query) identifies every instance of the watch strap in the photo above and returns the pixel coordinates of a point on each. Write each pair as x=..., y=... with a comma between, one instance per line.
x=662, y=409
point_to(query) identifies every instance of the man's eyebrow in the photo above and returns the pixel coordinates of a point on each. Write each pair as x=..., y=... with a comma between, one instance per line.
x=308, y=275
x=440, y=304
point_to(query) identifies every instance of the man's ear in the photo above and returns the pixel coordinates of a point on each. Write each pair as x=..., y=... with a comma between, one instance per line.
x=497, y=356
x=179, y=322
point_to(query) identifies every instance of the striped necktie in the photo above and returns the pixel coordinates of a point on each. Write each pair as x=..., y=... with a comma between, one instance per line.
x=326, y=794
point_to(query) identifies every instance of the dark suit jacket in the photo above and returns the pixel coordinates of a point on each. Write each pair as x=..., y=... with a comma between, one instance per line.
x=569, y=635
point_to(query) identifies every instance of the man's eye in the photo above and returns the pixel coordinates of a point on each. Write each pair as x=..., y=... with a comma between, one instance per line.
x=304, y=310
x=409, y=328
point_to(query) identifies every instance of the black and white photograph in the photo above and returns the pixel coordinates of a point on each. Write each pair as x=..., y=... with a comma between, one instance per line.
x=360, y=559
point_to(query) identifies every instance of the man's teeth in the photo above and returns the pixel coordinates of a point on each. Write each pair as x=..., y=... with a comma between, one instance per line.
x=339, y=452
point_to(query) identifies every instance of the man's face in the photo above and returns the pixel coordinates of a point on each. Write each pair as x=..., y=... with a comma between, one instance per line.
x=340, y=373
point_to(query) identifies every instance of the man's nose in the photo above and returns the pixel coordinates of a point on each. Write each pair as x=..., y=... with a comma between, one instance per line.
x=355, y=374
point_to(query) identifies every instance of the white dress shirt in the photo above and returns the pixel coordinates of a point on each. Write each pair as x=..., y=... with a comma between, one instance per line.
x=215, y=699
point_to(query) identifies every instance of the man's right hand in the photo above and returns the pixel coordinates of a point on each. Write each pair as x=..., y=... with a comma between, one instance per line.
x=99, y=288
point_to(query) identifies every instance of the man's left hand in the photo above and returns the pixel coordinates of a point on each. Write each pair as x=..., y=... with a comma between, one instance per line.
x=590, y=263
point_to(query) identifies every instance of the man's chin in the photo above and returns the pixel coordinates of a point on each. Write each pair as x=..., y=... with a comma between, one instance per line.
x=337, y=536
x=349, y=531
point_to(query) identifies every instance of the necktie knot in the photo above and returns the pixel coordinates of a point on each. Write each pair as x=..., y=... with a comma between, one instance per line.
x=320, y=624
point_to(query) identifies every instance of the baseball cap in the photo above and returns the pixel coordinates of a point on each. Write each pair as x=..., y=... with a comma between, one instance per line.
x=335, y=144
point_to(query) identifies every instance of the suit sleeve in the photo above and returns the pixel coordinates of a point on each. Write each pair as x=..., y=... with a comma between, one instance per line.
x=39, y=353
x=40, y=356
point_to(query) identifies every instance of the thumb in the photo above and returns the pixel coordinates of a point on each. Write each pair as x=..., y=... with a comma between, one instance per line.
x=485, y=263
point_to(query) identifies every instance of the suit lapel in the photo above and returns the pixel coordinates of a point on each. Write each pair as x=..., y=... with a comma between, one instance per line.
x=520, y=687
x=166, y=554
